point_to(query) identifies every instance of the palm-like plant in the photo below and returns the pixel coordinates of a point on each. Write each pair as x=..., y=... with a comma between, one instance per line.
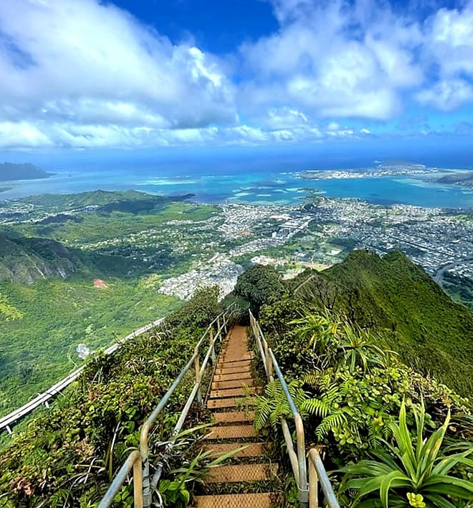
x=356, y=349
x=414, y=472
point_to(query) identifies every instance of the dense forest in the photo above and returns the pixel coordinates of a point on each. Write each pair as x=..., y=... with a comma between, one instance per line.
x=395, y=426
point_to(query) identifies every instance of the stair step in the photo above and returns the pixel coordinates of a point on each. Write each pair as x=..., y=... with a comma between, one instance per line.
x=251, y=449
x=234, y=416
x=241, y=473
x=232, y=392
x=232, y=432
x=233, y=370
x=233, y=364
x=228, y=402
x=232, y=377
x=236, y=383
x=262, y=500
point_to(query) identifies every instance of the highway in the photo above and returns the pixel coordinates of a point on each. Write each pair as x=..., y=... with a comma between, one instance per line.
x=42, y=398
x=438, y=277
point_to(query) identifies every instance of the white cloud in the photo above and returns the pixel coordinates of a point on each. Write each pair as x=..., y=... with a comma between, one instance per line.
x=84, y=73
x=90, y=62
x=334, y=60
x=447, y=95
x=449, y=40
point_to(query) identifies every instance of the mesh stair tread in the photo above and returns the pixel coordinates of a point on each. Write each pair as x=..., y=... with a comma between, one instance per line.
x=227, y=402
x=250, y=450
x=232, y=377
x=235, y=383
x=232, y=392
x=234, y=416
x=231, y=432
x=242, y=473
x=233, y=370
x=233, y=363
x=261, y=500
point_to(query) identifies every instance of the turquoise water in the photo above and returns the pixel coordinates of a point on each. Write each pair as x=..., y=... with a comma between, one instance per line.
x=241, y=183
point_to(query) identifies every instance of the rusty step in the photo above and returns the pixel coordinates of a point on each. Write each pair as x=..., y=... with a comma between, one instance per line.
x=262, y=500
x=242, y=473
x=235, y=383
x=233, y=364
x=232, y=392
x=233, y=370
x=250, y=450
x=234, y=417
x=229, y=402
x=231, y=432
x=241, y=376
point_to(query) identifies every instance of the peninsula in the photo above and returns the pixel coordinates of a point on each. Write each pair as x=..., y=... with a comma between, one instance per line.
x=10, y=171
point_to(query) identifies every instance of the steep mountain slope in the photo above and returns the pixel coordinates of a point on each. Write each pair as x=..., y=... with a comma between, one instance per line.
x=25, y=260
x=10, y=171
x=400, y=302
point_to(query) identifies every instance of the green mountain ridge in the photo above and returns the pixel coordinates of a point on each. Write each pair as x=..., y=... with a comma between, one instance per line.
x=397, y=301
x=25, y=260
x=408, y=309
x=10, y=171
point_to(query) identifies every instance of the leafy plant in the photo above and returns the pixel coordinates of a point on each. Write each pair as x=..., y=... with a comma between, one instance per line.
x=413, y=471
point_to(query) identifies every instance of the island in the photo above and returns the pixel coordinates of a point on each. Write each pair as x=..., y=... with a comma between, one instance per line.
x=463, y=178
x=10, y=171
x=382, y=170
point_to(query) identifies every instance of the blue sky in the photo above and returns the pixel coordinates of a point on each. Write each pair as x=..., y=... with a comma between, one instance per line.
x=130, y=74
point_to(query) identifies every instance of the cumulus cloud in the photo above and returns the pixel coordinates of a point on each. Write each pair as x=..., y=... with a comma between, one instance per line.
x=92, y=63
x=84, y=73
x=334, y=59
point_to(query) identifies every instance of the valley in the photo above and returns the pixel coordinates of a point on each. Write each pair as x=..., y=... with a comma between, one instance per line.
x=150, y=252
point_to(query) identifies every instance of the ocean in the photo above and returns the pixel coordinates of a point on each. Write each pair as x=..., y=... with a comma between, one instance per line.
x=254, y=180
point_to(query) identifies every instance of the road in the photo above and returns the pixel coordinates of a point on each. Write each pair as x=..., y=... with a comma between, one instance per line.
x=42, y=398
x=438, y=277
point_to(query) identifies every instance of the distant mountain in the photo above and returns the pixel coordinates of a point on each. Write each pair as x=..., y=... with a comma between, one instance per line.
x=390, y=296
x=464, y=179
x=399, y=301
x=129, y=201
x=10, y=171
x=25, y=260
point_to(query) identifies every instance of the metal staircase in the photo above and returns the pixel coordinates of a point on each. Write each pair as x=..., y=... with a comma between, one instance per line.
x=232, y=428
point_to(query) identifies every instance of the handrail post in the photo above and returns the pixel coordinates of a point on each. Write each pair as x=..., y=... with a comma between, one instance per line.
x=212, y=345
x=313, y=485
x=138, y=483
x=301, y=457
x=269, y=363
x=197, y=375
x=146, y=485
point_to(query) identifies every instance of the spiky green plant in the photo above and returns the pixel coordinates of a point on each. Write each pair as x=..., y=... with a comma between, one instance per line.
x=414, y=471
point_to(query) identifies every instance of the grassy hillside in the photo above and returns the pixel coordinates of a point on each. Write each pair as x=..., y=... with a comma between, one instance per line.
x=412, y=313
x=396, y=300
x=43, y=324
x=67, y=456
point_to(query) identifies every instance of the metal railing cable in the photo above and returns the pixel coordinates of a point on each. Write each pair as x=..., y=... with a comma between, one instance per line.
x=307, y=486
x=142, y=478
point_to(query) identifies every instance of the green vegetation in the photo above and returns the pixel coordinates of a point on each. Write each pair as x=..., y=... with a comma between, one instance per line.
x=68, y=456
x=396, y=437
x=86, y=268
x=46, y=321
x=414, y=470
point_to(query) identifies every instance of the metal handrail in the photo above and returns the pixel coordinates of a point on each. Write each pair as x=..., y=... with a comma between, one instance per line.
x=318, y=474
x=133, y=461
x=307, y=487
x=145, y=483
x=298, y=460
